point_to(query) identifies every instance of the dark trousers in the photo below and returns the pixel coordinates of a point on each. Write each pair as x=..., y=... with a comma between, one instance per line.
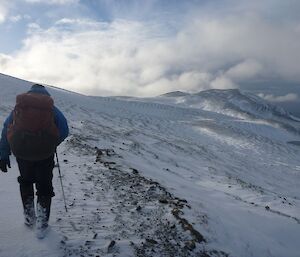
x=38, y=173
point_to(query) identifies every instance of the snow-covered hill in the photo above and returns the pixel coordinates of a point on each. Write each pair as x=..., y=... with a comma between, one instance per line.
x=207, y=174
x=232, y=102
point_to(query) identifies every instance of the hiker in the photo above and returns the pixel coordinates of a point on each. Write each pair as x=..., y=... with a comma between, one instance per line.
x=32, y=132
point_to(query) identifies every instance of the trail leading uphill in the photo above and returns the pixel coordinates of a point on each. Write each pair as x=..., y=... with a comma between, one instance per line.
x=155, y=177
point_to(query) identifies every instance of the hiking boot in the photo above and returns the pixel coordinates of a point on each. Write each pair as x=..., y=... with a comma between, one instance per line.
x=41, y=221
x=43, y=213
x=42, y=230
x=30, y=221
x=29, y=212
x=43, y=207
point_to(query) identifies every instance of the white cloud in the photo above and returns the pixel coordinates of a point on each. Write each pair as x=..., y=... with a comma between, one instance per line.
x=279, y=99
x=33, y=28
x=245, y=70
x=139, y=58
x=189, y=81
x=4, y=60
x=60, y=2
x=81, y=24
x=19, y=17
x=15, y=18
x=223, y=82
x=3, y=10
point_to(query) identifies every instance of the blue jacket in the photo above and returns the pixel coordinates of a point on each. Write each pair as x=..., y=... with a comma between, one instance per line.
x=59, y=119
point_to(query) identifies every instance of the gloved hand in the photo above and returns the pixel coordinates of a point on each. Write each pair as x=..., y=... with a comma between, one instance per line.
x=4, y=164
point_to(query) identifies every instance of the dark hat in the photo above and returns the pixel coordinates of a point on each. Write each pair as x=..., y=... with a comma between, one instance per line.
x=39, y=89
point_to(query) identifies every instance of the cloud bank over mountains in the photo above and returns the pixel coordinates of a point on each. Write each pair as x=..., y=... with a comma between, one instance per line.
x=207, y=47
x=285, y=98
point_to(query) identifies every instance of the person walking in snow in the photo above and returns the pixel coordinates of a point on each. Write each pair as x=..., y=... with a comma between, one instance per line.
x=32, y=132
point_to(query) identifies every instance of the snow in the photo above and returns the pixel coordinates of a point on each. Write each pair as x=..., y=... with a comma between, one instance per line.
x=16, y=239
x=223, y=151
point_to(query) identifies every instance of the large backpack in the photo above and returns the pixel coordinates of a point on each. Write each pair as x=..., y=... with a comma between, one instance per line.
x=33, y=134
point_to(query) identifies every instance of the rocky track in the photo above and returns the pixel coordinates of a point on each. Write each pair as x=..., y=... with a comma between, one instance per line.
x=121, y=211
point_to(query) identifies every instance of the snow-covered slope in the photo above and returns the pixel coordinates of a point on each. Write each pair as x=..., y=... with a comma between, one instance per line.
x=177, y=175
x=231, y=101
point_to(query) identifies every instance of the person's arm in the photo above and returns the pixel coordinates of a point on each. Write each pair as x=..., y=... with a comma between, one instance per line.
x=4, y=145
x=61, y=123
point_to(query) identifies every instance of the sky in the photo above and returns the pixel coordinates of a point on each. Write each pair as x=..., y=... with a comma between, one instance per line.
x=150, y=47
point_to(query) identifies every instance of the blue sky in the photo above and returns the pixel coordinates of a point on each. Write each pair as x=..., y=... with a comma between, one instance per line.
x=149, y=47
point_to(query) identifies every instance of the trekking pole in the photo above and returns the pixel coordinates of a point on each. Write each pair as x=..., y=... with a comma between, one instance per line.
x=60, y=177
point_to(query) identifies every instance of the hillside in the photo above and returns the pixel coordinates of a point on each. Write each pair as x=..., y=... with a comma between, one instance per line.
x=207, y=174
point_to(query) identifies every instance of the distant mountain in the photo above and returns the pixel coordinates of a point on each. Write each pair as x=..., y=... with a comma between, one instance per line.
x=231, y=102
x=234, y=103
x=247, y=103
x=175, y=94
